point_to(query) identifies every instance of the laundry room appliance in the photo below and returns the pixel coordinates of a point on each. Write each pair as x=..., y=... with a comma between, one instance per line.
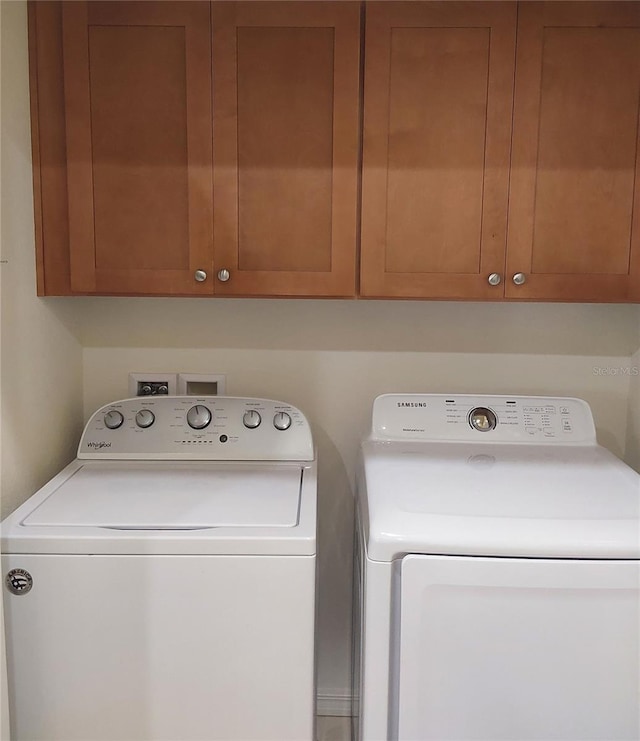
x=498, y=574
x=162, y=586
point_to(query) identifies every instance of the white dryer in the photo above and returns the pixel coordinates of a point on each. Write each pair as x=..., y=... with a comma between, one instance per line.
x=162, y=586
x=499, y=574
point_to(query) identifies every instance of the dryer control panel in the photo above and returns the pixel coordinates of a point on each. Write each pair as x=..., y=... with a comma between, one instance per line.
x=197, y=428
x=435, y=417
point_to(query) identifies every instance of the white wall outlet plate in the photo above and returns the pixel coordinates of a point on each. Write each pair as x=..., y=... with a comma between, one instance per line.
x=206, y=384
x=152, y=384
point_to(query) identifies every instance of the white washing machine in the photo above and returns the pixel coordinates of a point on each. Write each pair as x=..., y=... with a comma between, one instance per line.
x=162, y=586
x=499, y=574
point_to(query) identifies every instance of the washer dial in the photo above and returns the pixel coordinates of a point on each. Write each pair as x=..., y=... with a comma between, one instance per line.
x=483, y=419
x=198, y=417
x=282, y=421
x=251, y=419
x=145, y=418
x=113, y=420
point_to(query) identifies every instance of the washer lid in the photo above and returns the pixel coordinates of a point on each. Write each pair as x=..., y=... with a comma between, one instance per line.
x=499, y=500
x=173, y=496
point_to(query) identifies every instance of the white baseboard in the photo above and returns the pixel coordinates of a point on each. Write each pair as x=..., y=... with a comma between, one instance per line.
x=334, y=702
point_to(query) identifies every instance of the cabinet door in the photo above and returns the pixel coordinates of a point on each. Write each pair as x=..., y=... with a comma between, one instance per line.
x=438, y=96
x=286, y=102
x=137, y=78
x=574, y=213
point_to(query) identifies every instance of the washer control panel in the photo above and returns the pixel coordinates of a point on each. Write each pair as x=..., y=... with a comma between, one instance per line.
x=491, y=418
x=197, y=428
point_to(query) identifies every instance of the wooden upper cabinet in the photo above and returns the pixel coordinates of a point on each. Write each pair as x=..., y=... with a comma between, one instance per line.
x=137, y=88
x=286, y=120
x=574, y=215
x=438, y=95
x=179, y=138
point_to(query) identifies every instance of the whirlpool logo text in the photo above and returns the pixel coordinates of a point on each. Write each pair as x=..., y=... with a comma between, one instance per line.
x=98, y=445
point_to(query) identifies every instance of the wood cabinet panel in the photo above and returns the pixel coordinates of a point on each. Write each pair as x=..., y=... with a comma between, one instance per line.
x=285, y=148
x=138, y=127
x=286, y=103
x=139, y=169
x=436, y=148
x=574, y=219
x=437, y=123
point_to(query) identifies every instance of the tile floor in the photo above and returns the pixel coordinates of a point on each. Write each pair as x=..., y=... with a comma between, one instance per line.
x=330, y=728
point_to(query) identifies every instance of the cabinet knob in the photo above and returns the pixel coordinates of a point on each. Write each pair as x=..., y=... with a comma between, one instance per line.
x=200, y=275
x=223, y=275
x=519, y=279
x=495, y=279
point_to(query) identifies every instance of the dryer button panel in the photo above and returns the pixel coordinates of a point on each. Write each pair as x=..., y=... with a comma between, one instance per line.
x=442, y=417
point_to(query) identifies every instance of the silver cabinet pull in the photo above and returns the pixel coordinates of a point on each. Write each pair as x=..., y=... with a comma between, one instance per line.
x=223, y=275
x=495, y=279
x=200, y=275
x=519, y=279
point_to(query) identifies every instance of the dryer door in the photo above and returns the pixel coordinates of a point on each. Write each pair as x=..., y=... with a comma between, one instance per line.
x=516, y=649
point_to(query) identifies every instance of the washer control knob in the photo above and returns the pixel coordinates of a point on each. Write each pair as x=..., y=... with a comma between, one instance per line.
x=145, y=418
x=113, y=420
x=282, y=421
x=482, y=419
x=251, y=419
x=198, y=417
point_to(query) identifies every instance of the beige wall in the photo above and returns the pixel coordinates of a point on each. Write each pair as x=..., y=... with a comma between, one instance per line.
x=41, y=364
x=633, y=427
x=332, y=358
x=632, y=454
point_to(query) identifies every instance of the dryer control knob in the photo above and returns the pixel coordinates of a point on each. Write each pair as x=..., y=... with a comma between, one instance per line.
x=282, y=421
x=483, y=419
x=198, y=417
x=113, y=420
x=145, y=418
x=251, y=419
